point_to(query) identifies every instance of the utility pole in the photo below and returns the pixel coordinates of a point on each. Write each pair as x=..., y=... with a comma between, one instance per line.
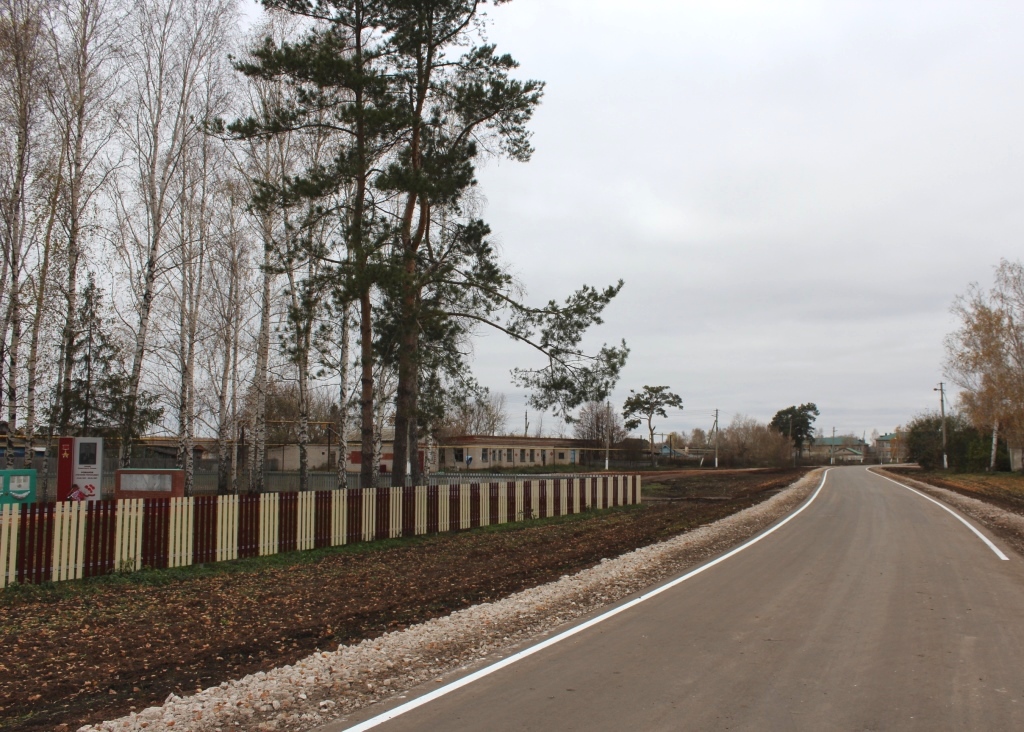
x=526, y=423
x=942, y=410
x=607, y=432
x=715, y=428
x=832, y=449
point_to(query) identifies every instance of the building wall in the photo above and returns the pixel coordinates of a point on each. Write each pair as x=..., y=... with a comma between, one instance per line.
x=486, y=458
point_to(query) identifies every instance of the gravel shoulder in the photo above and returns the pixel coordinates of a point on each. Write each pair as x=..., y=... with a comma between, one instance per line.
x=1008, y=525
x=325, y=686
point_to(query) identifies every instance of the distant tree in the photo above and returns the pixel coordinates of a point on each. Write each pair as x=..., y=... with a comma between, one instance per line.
x=599, y=426
x=284, y=410
x=486, y=414
x=98, y=403
x=966, y=447
x=985, y=355
x=796, y=423
x=698, y=438
x=645, y=405
x=745, y=442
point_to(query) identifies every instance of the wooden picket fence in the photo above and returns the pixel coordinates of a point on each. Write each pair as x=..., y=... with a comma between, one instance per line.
x=64, y=541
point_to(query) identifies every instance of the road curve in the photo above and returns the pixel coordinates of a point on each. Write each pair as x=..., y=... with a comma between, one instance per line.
x=874, y=609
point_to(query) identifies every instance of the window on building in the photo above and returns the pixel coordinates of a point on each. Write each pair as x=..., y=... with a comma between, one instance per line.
x=522, y=454
x=508, y=455
x=532, y=455
x=483, y=455
x=458, y=454
x=561, y=456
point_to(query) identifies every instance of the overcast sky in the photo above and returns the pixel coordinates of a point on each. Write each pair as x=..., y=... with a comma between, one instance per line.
x=793, y=192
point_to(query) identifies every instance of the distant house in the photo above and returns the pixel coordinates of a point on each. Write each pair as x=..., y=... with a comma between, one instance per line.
x=841, y=449
x=891, y=447
x=485, y=452
x=669, y=452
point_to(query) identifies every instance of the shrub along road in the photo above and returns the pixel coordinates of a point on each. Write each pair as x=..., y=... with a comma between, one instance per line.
x=79, y=652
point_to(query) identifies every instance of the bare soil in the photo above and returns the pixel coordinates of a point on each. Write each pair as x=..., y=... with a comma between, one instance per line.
x=1005, y=490
x=80, y=652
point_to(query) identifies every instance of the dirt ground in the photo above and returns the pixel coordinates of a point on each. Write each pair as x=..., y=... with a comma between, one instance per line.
x=81, y=652
x=1005, y=490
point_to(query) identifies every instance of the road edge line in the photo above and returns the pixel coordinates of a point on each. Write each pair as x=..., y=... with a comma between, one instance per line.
x=520, y=655
x=944, y=507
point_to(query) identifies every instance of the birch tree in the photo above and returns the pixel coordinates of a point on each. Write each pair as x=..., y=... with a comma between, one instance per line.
x=85, y=109
x=174, y=43
x=24, y=63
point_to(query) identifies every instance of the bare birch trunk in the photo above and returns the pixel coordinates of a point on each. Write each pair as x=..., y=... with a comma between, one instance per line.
x=995, y=445
x=42, y=280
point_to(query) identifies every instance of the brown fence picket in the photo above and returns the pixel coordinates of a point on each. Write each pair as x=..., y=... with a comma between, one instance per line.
x=288, y=523
x=408, y=511
x=35, y=543
x=204, y=529
x=322, y=519
x=156, y=525
x=474, y=505
x=510, y=502
x=382, y=512
x=493, y=490
x=556, y=496
x=454, y=508
x=100, y=528
x=354, y=530
x=248, y=525
x=433, y=509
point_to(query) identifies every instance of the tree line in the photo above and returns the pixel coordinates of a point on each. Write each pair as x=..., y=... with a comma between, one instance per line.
x=985, y=358
x=198, y=221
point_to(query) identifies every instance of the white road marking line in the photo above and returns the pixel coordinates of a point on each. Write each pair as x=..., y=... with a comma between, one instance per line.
x=487, y=671
x=944, y=507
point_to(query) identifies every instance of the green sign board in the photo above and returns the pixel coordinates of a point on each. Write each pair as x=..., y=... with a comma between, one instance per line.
x=17, y=486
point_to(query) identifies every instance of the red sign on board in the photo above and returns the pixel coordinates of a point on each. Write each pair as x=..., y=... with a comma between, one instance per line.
x=65, y=467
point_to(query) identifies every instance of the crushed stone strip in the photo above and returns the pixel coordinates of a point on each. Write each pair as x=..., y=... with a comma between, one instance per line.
x=1009, y=526
x=327, y=685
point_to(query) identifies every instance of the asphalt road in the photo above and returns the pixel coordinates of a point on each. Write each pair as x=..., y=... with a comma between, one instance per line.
x=874, y=609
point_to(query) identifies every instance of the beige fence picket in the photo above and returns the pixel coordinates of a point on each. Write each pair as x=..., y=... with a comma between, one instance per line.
x=369, y=514
x=306, y=534
x=395, y=510
x=444, y=493
x=10, y=521
x=503, y=502
x=485, y=504
x=339, y=518
x=270, y=517
x=227, y=528
x=68, y=540
x=128, y=535
x=421, y=510
x=180, y=534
